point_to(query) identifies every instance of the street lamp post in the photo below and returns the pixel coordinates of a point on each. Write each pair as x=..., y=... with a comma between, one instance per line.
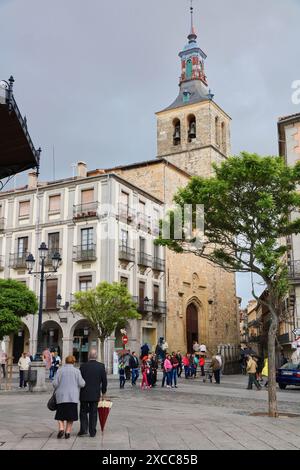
x=30, y=261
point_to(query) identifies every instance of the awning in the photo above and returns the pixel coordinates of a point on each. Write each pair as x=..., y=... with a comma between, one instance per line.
x=17, y=152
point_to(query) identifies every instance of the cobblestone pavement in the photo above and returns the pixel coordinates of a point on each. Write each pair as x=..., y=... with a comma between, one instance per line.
x=194, y=416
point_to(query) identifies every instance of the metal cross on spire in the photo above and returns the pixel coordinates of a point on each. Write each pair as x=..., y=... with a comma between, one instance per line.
x=192, y=16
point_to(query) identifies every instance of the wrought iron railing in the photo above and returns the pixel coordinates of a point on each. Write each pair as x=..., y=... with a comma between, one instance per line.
x=143, y=305
x=160, y=307
x=294, y=269
x=85, y=253
x=83, y=211
x=145, y=260
x=126, y=253
x=143, y=221
x=125, y=213
x=51, y=253
x=2, y=224
x=18, y=260
x=159, y=264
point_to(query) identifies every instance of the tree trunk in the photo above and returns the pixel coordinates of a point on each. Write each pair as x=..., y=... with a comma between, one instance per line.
x=273, y=410
x=101, y=350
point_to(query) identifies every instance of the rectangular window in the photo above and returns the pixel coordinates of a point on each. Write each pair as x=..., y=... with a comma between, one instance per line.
x=54, y=203
x=124, y=237
x=22, y=246
x=142, y=207
x=87, y=238
x=142, y=288
x=87, y=196
x=156, y=251
x=53, y=242
x=85, y=283
x=24, y=208
x=51, y=294
x=124, y=198
x=142, y=245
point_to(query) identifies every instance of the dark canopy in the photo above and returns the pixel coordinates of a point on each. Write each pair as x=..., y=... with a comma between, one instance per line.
x=17, y=152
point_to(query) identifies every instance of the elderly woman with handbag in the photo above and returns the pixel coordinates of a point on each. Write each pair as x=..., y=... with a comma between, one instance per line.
x=67, y=384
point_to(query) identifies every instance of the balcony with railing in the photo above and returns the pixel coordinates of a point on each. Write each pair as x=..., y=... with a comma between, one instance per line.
x=126, y=253
x=144, y=260
x=85, y=211
x=2, y=224
x=143, y=222
x=159, y=307
x=284, y=339
x=125, y=213
x=83, y=253
x=50, y=254
x=143, y=305
x=18, y=260
x=294, y=270
x=158, y=264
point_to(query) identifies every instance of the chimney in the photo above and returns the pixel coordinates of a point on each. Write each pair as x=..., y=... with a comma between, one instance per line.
x=81, y=170
x=32, y=180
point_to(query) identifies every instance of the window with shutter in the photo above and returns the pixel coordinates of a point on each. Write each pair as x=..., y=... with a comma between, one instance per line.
x=87, y=196
x=155, y=295
x=141, y=294
x=24, y=208
x=51, y=294
x=85, y=283
x=22, y=246
x=54, y=203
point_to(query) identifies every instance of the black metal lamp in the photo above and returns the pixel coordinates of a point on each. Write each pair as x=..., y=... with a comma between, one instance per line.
x=30, y=261
x=43, y=251
x=56, y=260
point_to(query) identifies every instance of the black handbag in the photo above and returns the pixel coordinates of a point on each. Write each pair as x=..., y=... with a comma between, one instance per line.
x=52, y=405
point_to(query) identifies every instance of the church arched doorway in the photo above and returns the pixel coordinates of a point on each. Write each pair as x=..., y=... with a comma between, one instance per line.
x=191, y=326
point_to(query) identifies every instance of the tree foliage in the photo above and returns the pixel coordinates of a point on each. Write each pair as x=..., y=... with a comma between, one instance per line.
x=16, y=301
x=106, y=307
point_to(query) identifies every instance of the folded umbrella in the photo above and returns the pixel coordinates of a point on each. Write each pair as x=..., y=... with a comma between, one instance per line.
x=104, y=407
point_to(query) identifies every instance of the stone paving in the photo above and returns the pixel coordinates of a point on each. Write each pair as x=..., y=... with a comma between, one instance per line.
x=195, y=416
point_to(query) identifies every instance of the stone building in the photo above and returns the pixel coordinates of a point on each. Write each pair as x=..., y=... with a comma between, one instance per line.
x=192, y=133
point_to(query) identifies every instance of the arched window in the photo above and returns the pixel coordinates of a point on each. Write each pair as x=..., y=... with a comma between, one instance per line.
x=217, y=133
x=189, y=69
x=191, y=127
x=223, y=128
x=177, y=132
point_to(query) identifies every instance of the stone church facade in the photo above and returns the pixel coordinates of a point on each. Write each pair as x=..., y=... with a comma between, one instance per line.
x=192, y=134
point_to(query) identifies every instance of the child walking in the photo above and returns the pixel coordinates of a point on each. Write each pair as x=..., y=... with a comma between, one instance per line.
x=122, y=374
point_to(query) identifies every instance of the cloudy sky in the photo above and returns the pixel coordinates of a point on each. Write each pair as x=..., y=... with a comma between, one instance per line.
x=90, y=74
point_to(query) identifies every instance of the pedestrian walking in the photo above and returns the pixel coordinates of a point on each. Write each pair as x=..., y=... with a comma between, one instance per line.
x=216, y=366
x=202, y=364
x=175, y=365
x=94, y=375
x=186, y=365
x=23, y=364
x=3, y=362
x=47, y=358
x=145, y=372
x=251, y=371
x=167, y=371
x=67, y=384
x=194, y=361
x=265, y=371
x=179, y=368
x=122, y=374
x=134, y=366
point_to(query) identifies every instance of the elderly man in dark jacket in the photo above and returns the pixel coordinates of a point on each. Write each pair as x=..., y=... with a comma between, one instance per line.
x=95, y=378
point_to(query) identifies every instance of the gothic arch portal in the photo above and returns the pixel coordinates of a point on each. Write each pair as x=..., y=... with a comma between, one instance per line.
x=192, y=323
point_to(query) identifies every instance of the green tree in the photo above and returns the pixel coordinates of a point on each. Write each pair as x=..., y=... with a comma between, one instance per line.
x=106, y=307
x=248, y=205
x=16, y=301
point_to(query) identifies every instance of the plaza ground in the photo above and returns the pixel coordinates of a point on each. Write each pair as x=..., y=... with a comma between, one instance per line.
x=196, y=416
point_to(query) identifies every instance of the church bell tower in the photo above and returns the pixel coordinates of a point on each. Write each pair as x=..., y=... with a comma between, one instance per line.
x=193, y=132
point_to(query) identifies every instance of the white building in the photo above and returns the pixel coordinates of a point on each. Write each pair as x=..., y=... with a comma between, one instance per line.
x=289, y=148
x=103, y=228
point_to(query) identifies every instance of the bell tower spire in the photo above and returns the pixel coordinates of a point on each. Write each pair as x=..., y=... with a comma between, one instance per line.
x=192, y=36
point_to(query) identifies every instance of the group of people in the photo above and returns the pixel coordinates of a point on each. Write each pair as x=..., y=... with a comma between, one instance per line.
x=172, y=365
x=85, y=386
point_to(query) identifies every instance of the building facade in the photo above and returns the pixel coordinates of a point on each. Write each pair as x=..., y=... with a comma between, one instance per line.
x=289, y=149
x=104, y=228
